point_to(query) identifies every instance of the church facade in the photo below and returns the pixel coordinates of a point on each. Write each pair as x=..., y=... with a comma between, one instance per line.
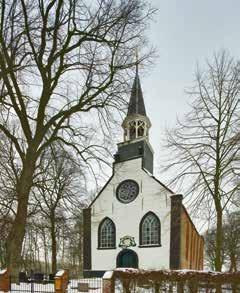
x=135, y=220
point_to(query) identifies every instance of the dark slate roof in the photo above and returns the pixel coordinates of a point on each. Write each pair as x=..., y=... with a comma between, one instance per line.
x=136, y=103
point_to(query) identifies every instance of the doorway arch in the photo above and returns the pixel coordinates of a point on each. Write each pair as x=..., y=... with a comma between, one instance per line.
x=127, y=258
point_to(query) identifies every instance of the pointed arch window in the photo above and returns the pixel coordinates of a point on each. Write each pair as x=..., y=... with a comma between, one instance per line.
x=141, y=128
x=132, y=129
x=150, y=230
x=106, y=234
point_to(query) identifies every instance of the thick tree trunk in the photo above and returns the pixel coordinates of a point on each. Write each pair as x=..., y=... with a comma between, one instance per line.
x=15, y=238
x=17, y=232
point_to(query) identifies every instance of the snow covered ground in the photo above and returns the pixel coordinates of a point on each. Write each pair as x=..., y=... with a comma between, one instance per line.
x=94, y=285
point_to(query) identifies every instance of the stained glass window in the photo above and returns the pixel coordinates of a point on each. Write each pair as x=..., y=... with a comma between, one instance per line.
x=127, y=191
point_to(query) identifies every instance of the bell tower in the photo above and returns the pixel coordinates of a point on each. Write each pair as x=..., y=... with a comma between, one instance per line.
x=136, y=124
x=136, y=127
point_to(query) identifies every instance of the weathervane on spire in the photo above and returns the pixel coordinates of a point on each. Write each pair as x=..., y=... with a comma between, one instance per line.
x=136, y=124
x=136, y=61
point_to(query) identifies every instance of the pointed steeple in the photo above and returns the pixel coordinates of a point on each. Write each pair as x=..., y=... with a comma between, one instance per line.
x=136, y=127
x=136, y=103
x=136, y=124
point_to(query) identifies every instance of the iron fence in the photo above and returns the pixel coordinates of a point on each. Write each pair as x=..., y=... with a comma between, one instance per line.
x=22, y=284
x=31, y=285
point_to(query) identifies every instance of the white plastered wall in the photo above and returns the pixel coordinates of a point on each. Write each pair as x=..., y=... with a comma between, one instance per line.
x=152, y=197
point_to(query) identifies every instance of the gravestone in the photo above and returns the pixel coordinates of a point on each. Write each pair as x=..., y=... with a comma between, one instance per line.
x=22, y=276
x=38, y=277
x=51, y=277
x=83, y=287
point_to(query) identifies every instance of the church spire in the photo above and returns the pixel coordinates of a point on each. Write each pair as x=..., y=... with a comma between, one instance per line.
x=136, y=127
x=136, y=103
x=136, y=124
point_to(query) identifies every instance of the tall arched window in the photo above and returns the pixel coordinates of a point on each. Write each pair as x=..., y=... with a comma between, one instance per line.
x=106, y=234
x=150, y=230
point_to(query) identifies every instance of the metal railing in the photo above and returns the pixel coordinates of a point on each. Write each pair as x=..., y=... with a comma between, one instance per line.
x=31, y=285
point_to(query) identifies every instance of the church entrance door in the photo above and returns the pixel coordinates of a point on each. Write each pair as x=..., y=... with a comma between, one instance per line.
x=127, y=258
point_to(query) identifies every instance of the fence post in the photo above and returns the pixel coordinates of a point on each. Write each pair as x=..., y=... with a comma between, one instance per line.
x=61, y=281
x=193, y=287
x=126, y=286
x=108, y=283
x=4, y=280
x=180, y=287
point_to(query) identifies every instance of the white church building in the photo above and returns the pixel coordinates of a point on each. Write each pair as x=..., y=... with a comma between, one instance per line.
x=135, y=220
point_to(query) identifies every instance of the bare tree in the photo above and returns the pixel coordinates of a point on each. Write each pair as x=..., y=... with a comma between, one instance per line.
x=58, y=61
x=232, y=240
x=5, y=226
x=231, y=243
x=8, y=175
x=210, y=249
x=71, y=245
x=204, y=145
x=59, y=192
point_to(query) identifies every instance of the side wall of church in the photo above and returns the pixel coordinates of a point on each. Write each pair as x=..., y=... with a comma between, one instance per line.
x=127, y=217
x=192, y=244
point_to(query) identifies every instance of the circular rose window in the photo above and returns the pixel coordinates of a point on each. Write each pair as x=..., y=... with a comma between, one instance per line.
x=127, y=191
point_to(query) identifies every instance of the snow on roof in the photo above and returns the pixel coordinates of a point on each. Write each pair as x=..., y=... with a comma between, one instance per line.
x=108, y=275
x=60, y=273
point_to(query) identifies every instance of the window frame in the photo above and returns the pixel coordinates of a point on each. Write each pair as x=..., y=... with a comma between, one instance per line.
x=99, y=234
x=159, y=244
x=120, y=185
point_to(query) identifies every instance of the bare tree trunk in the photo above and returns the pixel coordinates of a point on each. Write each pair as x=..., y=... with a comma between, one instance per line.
x=15, y=238
x=45, y=251
x=54, y=246
x=17, y=232
x=233, y=263
x=219, y=238
x=63, y=252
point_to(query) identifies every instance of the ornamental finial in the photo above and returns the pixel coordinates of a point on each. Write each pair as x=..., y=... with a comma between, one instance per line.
x=136, y=61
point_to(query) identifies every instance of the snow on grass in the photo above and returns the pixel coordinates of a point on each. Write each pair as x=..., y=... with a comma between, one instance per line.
x=94, y=285
x=26, y=287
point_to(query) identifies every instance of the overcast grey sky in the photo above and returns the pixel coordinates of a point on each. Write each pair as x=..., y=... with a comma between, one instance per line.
x=185, y=32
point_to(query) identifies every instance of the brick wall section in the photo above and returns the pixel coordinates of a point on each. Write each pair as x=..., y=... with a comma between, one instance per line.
x=192, y=244
x=175, y=235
